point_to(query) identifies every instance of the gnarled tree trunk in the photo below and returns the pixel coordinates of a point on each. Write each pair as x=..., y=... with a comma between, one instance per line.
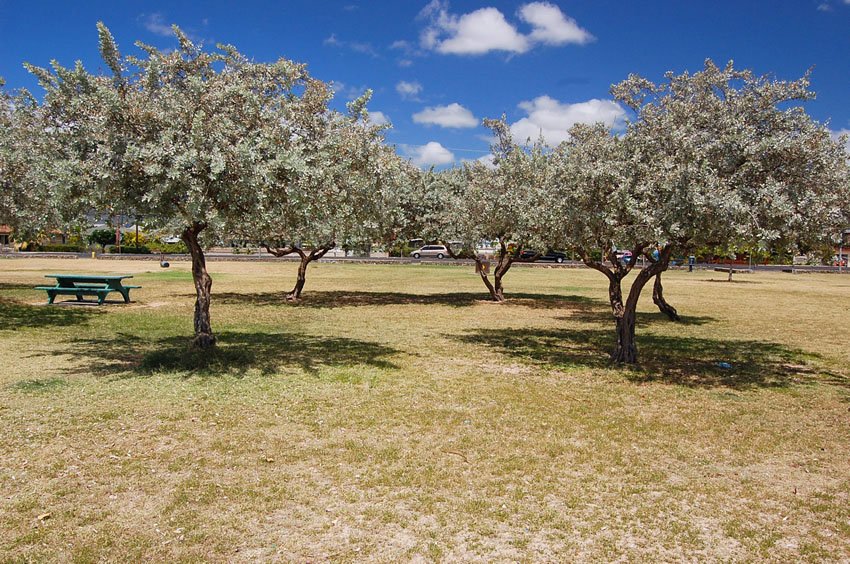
x=306, y=259
x=506, y=259
x=625, y=313
x=663, y=305
x=204, y=338
x=626, y=352
x=496, y=289
x=658, y=290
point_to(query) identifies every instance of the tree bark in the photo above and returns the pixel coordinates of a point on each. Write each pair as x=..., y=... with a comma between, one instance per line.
x=625, y=313
x=306, y=259
x=626, y=352
x=484, y=278
x=663, y=305
x=204, y=338
x=295, y=294
x=658, y=290
x=506, y=259
x=496, y=289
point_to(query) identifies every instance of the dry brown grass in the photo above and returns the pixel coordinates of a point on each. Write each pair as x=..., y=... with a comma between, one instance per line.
x=396, y=415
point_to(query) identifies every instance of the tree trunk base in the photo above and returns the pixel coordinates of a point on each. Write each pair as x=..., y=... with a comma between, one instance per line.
x=668, y=310
x=625, y=356
x=203, y=341
x=293, y=297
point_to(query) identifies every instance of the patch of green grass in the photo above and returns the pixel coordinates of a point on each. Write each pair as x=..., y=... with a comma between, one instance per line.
x=40, y=386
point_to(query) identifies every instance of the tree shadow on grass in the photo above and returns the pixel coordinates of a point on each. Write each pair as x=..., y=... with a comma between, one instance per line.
x=15, y=286
x=685, y=361
x=600, y=315
x=336, y=298
x=236, y=353
x=16, y=315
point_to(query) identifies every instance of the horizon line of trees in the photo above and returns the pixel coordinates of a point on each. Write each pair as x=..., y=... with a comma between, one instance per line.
x=211, y=145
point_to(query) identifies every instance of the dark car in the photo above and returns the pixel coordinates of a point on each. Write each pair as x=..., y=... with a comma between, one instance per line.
x=555, y=256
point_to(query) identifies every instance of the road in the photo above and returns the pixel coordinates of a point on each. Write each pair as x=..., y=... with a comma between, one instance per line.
x=265, y=257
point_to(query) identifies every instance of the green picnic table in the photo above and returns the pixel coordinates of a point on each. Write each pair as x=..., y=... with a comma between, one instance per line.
x=80, y=285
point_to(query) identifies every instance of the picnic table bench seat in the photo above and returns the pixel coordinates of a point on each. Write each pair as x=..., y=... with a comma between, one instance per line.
x=80, y=291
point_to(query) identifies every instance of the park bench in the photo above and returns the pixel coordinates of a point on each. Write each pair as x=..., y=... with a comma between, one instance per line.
x=80, y=285
x=734, y=270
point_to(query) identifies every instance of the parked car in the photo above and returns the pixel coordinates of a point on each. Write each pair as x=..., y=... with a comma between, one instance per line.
x=556, y=256
x=624, y=256
x=439, y=251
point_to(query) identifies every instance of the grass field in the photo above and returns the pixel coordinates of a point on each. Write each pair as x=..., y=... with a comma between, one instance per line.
x=396, y=415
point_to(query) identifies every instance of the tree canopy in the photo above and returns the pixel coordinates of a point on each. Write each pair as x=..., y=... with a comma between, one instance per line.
x=28, y=176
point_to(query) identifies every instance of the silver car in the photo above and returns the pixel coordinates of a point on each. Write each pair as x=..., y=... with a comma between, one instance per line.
x=439, y=251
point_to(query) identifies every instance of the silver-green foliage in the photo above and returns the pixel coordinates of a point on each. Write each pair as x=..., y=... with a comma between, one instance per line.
x=29, y=178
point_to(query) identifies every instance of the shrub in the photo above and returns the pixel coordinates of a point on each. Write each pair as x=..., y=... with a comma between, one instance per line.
x=399, y=249
x=141, y=250
x=129, y=239
x=168, y=248
x=57, y=248
x=102, y=237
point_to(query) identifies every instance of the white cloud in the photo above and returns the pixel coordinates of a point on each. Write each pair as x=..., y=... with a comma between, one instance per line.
x=551, y=26
x=408, y=90
x=837, y=134
x=481, y=31
x=347, y=91
x=359, y=47
x=486, y=29
x=429, y=154
x=363, y=48
x=552, y=118
x=487, y=160
x=155, y=23
x=379, y=118
x=453, y=115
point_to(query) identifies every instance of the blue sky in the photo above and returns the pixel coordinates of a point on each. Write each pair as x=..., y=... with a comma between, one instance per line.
x=438, y=68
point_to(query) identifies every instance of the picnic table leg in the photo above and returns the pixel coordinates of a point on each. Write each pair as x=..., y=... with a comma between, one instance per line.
x=125, y=292
x=50, y=297
x=79, y=297
x=100, y=298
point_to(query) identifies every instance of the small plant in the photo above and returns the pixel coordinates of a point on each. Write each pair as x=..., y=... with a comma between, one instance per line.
x=101, y=237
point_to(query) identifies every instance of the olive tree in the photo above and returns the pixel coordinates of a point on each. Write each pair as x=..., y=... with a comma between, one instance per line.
x=493, y=203
x=341, y=195
x=720, y=157
x=185, y=138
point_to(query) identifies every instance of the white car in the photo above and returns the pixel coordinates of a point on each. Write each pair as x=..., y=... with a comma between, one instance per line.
x=439, y=251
